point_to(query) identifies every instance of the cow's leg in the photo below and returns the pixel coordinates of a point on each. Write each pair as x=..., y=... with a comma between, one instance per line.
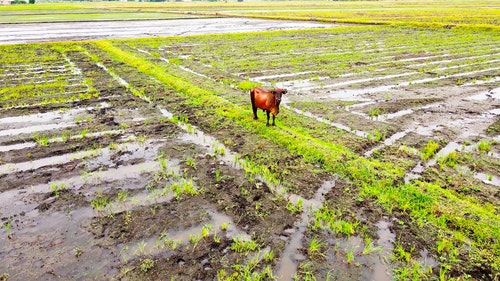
x=267, y=124
x=254, y=108
x=274, y=116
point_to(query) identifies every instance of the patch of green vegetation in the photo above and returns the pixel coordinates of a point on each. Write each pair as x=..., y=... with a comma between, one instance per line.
x=247, y=85
x=146, y=265
x=326, y=218
x=494, y=128
x=429, y=150
x=241, y=245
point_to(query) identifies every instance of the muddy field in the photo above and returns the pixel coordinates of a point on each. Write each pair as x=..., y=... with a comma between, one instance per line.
x=110, y=171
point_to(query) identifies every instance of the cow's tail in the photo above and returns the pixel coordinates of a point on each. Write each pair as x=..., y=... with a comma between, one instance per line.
x=252, y=97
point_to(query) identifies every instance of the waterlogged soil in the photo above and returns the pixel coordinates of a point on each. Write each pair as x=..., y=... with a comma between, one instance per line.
x=116, y=186
x=73, y=31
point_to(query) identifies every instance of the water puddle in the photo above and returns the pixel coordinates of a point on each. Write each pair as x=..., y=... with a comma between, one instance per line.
x=17, y=146
x=386, y=241
x=488, y=178
x=354, y=94
x=278, y=76
x=48, y=117
x=300, y=85
x=388, y=142
x=490, y=94
x=427, y=80
x=11, y=201
x=291, y=256
x=348, y=94
x=27, y=124
x=426, y=260
x=385, y=117
x=96, y=157
x=193, y=72
x=455, y=60
x=450, y=147
x=482, y=82
x=160, y=245
x=39, y=163
x=360, y=104
x=359, y=81
x=38, y=128
x=337, y=125
x=415, y=173
x=56, y=248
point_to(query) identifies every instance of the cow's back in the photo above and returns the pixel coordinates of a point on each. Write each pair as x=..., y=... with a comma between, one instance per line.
x=263, y=99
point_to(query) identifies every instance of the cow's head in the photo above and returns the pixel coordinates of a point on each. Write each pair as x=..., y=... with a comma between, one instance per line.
x=278, y=92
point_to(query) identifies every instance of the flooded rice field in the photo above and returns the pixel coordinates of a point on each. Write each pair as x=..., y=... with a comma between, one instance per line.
x=72, y=31
x=117, y=162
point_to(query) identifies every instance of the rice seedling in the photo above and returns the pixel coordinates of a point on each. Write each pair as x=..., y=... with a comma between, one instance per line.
x=269, y=256
x=141, y=246
x=216, y=238
x=449, y=160
x=77, y=252
x=241, y=245
x=153, y=210
x=296, y=208
x=195, y=239
x=191, y=163
x=205, y=230
x=56, y=188
x=369, y=247
x=41, y=140
x=84, y=133
x=484, y=146
x=123, y=195
x=223, y=226
x=305, y=270
x=7, y=227
x=218, y=176
x=142, y=139
x=66, y=135
x=183, y=186
x=316, y=249
x=400, y=254
x=147, y=265
x=429, y=150
x=100, y=202
x=349, y=255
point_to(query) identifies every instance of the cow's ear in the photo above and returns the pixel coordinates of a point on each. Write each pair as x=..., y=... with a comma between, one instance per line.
x=284, y=91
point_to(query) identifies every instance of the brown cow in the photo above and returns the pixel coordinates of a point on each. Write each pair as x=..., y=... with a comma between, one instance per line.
x=268, y=101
